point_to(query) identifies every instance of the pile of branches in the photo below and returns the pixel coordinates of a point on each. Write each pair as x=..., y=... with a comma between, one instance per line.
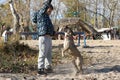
x=17, y=57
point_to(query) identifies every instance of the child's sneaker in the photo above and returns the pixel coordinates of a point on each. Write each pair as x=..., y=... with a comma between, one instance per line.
x=42, y=72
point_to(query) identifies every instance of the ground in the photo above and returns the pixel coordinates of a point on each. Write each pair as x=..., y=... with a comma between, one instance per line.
x=104, y=63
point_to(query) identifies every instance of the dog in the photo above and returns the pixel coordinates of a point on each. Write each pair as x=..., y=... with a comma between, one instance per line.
x=68, y=44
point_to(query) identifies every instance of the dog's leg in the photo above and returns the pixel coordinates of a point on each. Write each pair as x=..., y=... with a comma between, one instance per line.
x=64, y=50
x=80, y=63
x=75, y=65
x=63, y=53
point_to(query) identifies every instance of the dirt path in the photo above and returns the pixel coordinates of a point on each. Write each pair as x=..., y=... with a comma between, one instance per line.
x=105, y=63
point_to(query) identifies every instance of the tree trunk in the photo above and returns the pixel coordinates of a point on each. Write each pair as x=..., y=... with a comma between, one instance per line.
x=28, y=13
x=96, y=16
x=112, y=9
x=103, y=19
x=16, y=17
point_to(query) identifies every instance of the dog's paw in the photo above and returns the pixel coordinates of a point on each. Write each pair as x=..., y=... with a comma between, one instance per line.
x=78, y=73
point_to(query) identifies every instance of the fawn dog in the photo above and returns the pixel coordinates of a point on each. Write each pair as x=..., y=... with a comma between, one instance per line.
x=68, y=44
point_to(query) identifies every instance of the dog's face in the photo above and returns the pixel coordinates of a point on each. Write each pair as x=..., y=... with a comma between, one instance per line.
x=68, y=31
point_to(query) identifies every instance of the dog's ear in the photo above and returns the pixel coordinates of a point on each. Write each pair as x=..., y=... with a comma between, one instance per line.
x=71, y=31
x=66, y=28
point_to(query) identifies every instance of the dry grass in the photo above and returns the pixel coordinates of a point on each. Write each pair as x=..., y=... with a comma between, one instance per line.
x=17, y=58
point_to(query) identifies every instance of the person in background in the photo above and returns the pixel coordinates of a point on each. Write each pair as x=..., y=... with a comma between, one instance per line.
x=5, y=34
x=45, y=31
x=2, y=29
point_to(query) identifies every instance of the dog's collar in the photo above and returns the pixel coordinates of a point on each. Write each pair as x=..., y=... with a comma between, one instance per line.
x=68, y=37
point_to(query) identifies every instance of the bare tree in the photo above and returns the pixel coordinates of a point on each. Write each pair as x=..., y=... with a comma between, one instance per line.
x=103, y=20
x=112, y=5
x=15, y=16
x=96, y=15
